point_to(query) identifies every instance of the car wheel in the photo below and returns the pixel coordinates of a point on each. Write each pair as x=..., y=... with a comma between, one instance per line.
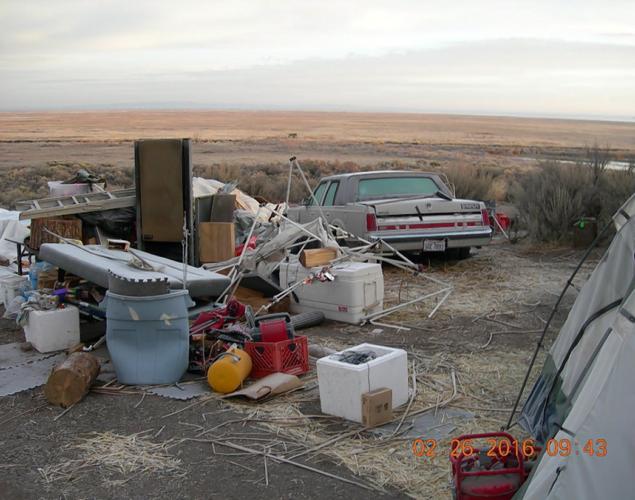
x=458, y=253
x=463, y=253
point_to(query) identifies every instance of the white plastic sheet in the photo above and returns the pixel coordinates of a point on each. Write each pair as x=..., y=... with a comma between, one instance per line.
x=14, y=229
x=205, y=187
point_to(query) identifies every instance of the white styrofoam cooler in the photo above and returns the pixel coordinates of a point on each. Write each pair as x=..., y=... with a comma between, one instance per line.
x=342, y=384
x=358, y=290
x=53, y=330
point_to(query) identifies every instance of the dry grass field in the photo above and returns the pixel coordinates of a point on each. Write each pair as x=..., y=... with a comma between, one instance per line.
x=313, y=126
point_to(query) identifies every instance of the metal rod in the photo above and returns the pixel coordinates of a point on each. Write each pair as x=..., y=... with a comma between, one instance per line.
x=246, y=245
x=385, y=312
x=295, y=224
x=289, y=181
x=294, y=160
x=440, y=303
x=184, y=246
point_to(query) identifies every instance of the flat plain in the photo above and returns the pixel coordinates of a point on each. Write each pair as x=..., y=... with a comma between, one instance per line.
x=252, y=138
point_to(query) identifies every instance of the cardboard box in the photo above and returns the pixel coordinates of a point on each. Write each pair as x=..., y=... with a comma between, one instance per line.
x=377, y=407
x=256, y=300
x=216, y=241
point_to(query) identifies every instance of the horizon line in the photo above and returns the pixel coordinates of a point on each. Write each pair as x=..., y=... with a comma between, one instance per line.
x=475, y=114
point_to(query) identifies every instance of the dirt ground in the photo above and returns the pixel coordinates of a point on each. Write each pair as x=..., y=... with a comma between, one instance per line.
x=480, y=341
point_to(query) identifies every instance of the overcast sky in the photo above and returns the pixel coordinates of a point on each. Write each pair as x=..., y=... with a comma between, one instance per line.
x=547, y=58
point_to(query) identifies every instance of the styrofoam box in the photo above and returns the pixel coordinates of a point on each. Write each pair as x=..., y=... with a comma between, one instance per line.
x=10, y=286
x=358, y=290
x=53, y=330
x=342, y=384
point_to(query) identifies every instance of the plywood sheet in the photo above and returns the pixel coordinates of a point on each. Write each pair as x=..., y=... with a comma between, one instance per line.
x=161, y=186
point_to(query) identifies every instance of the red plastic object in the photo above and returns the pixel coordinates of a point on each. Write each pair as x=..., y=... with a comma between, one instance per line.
x=251, y=244
x=287, y=356
x=500, y=481
x=503, y=220
x=273, y=328
x=217, y=318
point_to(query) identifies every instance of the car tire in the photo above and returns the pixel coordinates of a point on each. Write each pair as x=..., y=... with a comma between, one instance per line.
x=458, y=253
x=463, y=253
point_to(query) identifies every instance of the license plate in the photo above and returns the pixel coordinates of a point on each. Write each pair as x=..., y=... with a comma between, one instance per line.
x=434, y=245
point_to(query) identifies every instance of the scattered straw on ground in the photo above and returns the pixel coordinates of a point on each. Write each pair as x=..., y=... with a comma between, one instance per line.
x=479, y=382
x=463, y=373
x=118, y=459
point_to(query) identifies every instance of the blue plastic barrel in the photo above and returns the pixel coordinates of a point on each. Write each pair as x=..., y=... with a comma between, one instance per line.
x=148, y=337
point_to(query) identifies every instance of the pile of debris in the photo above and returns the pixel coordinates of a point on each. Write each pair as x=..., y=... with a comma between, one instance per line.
x=214, y=284
x=204, y=296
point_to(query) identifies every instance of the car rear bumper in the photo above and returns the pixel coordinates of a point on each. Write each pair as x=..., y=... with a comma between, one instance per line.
x=455, y=239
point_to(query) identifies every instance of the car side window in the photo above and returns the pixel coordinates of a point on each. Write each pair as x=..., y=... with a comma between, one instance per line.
x=329, y=199
x=318, y=194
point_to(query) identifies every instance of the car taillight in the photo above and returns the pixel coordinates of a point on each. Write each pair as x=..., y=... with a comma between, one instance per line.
x=485, y=215
x=371, y=222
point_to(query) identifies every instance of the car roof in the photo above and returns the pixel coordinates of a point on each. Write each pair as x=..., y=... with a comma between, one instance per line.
x=381, y=172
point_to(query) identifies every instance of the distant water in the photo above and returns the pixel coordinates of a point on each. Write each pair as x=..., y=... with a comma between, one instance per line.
x=612, y=165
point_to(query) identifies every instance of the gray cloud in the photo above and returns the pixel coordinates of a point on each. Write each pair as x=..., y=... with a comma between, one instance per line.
x=553, y=58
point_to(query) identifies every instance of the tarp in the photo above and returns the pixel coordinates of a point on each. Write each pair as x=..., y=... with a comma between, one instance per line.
x=205, y=187
x=593, y=312
x=584, y=394
x=602, y=414
x=11, y=228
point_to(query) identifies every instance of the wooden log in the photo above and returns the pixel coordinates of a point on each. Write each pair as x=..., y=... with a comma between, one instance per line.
x=315, y=257
x=71, y=380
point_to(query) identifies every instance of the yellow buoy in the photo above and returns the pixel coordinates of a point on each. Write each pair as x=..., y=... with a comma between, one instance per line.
x=227, y=373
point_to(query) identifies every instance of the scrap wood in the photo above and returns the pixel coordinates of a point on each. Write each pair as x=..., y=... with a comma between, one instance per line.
x=316, y=257
x=70, y=381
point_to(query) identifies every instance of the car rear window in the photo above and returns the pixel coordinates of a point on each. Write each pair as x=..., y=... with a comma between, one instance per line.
x=384, y=187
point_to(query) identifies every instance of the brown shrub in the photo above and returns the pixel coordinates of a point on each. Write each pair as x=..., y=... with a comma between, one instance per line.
x=553, y=197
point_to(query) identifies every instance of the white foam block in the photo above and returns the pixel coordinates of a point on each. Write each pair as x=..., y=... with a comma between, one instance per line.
x=53, y=330
x=342, y=384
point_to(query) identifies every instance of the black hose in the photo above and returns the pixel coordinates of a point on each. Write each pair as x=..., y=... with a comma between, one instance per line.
x=307, y=319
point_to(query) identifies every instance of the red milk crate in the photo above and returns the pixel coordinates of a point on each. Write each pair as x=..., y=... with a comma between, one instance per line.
x=286, y=356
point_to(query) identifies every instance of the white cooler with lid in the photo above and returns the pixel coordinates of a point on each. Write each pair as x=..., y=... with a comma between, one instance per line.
x=342, y=384
x=358, y=290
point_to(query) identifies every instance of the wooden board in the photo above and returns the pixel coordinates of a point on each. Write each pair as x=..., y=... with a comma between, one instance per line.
x=256, y=300
x=216, y=241
x=160, y=178
x=315, y=257
x=68, y=227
